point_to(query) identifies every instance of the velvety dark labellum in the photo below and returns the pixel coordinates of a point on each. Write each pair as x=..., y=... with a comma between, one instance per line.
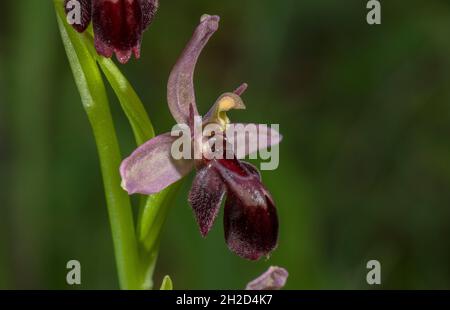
x=251, y=230
x=250, y=217
x=85, y=7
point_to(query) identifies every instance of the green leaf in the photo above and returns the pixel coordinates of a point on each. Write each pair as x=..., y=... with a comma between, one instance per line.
x=153, y=215
x=167, y=284
x=129, y=100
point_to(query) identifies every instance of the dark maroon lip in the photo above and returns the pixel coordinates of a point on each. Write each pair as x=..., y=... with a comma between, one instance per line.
x=250, y=217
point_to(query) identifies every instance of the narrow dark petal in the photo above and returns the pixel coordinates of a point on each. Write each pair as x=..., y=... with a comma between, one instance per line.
x=180, y=88
x=205, y=197
x=85, y=7
x=149, y=9
x=250, y=218
x=118, y=27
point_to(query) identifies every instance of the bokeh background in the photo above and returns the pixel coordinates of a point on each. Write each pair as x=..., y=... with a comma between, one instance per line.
x=365, y=162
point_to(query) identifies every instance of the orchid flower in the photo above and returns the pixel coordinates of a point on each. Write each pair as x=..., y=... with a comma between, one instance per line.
x=250, y=217
x=118, y=24
x=273, y=279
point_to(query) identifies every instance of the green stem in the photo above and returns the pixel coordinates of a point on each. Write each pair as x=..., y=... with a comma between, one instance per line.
x=154, y=208
x=136, y=259
x=93, y=94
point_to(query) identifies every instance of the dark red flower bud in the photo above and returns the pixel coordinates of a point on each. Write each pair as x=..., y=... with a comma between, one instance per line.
x=118, y=24
x=79, y=13
x=149, y=8
x=118, y=28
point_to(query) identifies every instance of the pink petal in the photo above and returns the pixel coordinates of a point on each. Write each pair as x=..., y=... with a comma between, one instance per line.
x=247, y=139
x=273, y=279
x=151, y=167
x=241, y=89
x=180, y=88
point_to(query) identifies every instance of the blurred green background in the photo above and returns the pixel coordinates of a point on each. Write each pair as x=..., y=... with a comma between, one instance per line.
x=365, y=162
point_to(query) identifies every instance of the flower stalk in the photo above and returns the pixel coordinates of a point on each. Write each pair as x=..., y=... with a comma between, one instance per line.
x=135, y=250
x=95, y=102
